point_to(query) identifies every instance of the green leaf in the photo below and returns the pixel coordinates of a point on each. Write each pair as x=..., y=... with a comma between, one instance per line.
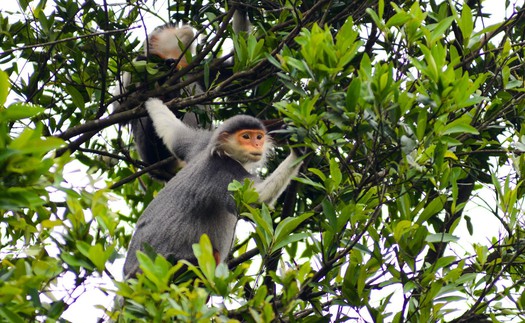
x=57, y=307
x=353, y=94
x=263, y=227
x=297, y=64
x=335, y=173
x=48, y=268
x=432, y=70
x=16, y=197
x=158, y=271
x=398, y=19
x=204, y=253
x=381, y=8
x=99, y=256
x=441, y=237
x=10, y=316
x=435, y=206
x=286, y=226
x=19, y=110
x=521, y=301
x=400, y=229
x=443, y=262
x=308, y=181
x=417, y=242
x=221, y=279
x=51, y=223
x=74, y=261
x=422, y=120
x=351, y=283
x=466, y=23
x=439, y=29
x=482, y=253
x=290, y=239
x=152, y=69
x=329, y=213
x=267, y=220
x=4, y=87
x=318, y=172
x=96, y=255
x=459, y=128
x=404, y=204
x=375, y=17
x=83, y=247
x=76, y=97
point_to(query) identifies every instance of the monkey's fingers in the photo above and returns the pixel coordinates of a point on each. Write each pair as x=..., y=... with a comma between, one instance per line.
x=301, y=150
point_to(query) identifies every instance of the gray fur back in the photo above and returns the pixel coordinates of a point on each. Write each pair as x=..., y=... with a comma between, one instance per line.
x=194, y=202
x=190, y=144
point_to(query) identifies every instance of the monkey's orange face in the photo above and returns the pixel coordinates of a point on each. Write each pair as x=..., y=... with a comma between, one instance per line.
x=252, y=142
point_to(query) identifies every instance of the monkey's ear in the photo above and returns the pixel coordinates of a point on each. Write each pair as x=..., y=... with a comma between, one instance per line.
x=223, y=136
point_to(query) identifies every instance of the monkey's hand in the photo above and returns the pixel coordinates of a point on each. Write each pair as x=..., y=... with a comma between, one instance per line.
x=301, y=150
x=171, y=62
x=283, y=133
x=296, y=140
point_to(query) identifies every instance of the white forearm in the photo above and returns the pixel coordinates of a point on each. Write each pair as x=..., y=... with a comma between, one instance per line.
x=272, y=187
x=166, y=124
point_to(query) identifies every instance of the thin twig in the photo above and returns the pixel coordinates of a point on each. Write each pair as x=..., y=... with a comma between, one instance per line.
x=52, y=43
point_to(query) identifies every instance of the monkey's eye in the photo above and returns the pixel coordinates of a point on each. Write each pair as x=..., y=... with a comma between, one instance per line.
x=259, y=137
x=245, y=136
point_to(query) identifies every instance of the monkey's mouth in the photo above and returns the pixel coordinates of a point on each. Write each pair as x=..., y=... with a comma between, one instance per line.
x=256, y=155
